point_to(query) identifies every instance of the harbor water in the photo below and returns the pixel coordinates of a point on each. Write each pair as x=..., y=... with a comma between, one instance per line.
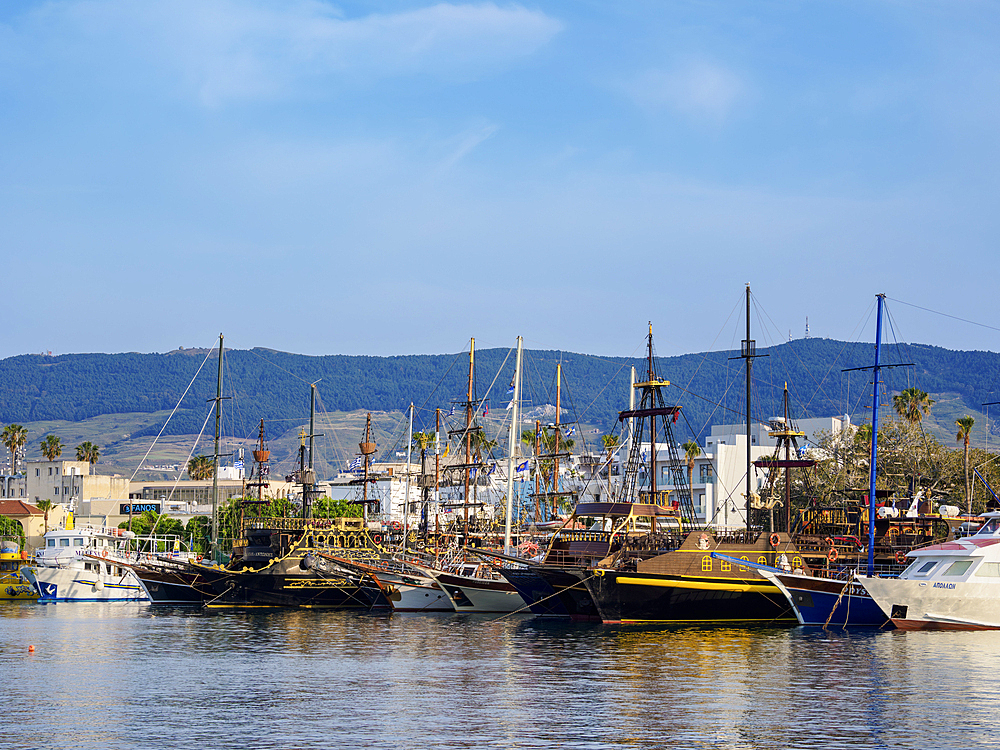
x=131, y=676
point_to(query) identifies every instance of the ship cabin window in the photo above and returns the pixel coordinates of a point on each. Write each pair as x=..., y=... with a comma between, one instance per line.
x=92, y=567
x=958, y=568
x=989, y=528
x=762, y=560
x=726, y=566
x=78, y=541
x=926, y=568
x=989, y=570
x=51, y=543
x=64, y=542
x=706, y=564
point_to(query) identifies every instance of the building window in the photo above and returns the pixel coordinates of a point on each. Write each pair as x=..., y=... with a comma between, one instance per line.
x=36, y=472
x=50, y=471
x=705, y=473
x=56, y=492
x=706, y=564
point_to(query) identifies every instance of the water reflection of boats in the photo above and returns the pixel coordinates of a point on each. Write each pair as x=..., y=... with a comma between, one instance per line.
x=13, y=585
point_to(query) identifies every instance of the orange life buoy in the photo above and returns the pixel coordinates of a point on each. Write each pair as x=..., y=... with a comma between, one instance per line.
x=775, y=539
x=900, y=557
x=828, y=542
x=832, y=555
x=104, y=553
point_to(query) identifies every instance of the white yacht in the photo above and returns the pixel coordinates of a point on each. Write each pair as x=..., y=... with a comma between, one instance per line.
x=949, y=586
x=82, y=565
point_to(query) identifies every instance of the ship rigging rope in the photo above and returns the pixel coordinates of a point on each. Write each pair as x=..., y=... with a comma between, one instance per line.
x=946, y=315
x=139, y=465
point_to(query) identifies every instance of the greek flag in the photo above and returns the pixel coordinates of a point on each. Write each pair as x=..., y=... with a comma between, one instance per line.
x=570, y=431
x=510, y=390
x=356, y=464
x=238, y=463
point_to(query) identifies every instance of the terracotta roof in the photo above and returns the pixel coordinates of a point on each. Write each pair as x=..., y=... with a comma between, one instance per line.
x=12, y=508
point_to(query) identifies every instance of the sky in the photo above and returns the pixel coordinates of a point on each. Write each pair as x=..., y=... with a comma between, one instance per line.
x=397, y=177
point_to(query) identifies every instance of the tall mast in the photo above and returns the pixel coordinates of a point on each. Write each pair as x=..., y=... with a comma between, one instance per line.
x=366, y=450
x=748, y=355
x=468, y=441
x=652, y=421
x=874, y=453
x=788, y=471
x=406, y=500
x=215, y=461
x=555, y=459
x=513, y=442
x=538, y=471
x=437, y=471
x=631, y=407
x=309, y=478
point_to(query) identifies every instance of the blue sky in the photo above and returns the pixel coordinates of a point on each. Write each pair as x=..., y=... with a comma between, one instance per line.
x=393, y=178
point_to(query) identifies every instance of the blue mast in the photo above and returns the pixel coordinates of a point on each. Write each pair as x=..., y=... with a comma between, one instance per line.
x=874, y=454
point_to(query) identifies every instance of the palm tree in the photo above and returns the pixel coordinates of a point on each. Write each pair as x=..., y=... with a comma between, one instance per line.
x=964, y=430
x=201, y=468
x=912, y=404
x=610, y=443
x=691, y=450
x=52, y=447
x=89, y=452
x=45, y=506
x=14, y=436
x=422, y=441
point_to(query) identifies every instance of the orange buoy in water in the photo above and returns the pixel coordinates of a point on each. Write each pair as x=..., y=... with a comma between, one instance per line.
x=31, y=649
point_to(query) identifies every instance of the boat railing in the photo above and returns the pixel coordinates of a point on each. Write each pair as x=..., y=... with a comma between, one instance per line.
x=583, y=536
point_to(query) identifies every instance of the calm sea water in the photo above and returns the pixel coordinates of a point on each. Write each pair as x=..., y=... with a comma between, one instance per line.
x=127, y=675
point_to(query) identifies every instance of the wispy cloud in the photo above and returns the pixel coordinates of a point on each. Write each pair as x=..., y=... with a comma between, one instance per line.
x=468, y=141
x=698, y=89
x=226, y=51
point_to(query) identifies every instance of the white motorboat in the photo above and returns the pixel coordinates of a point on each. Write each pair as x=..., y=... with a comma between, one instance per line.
x=949, y=586
x=477, y=587
x=84, y=565
x=408, y=589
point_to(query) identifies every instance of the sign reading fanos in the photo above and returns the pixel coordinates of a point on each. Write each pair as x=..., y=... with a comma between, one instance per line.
x=135, y=508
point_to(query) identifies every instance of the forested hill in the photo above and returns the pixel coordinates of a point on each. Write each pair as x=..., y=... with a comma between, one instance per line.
x=274, y=385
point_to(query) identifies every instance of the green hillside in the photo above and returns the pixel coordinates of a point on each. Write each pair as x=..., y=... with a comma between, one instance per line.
x=121, y=401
